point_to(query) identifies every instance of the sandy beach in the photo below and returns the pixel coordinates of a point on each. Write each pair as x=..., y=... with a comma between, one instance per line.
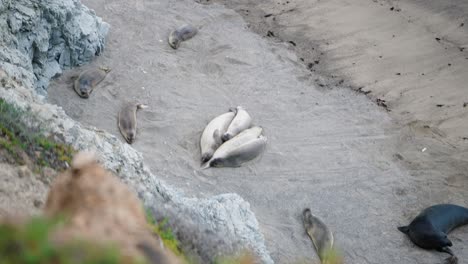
x=313, y=85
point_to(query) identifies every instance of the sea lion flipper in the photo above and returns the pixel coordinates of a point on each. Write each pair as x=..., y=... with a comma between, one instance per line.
x=404, y=229
x=451, y=260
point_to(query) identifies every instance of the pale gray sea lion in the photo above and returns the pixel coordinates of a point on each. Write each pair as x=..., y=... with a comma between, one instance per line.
x=211, y=136
x=319, y=233
x=88, y=80
x=182, y=33
x=241, y=121
x=127, y=121
x=243, y=148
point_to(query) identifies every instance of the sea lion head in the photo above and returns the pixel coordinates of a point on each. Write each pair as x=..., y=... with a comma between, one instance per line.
x=84, y=88
x=130, y=136
x=216, y=163
x=206, y=157
x=430, y=239
x=174, y=40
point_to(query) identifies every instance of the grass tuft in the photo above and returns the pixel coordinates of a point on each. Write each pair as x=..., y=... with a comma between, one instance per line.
x=30, y=244
x=21, y=135
x=162, y=229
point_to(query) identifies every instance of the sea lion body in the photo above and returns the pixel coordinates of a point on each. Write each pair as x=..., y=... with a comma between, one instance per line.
x=319, y=233
x=241, y=121
x=211, y=136
x=88, y=80
x=182, y=33
x=127, y=121
x=430, y=228
x=242, y=148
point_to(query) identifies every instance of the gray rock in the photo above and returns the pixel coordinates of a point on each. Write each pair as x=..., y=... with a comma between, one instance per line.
x=47, y=37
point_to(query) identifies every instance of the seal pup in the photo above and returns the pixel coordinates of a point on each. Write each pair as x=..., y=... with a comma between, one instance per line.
x=127, y=121
x=211, y=136
x=430, y=228
x=242, y=148
x=241, y=121
x=319, y=233
x=88, y=80
x=182, y=33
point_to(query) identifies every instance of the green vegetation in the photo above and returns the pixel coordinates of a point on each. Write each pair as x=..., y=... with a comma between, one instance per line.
x=165, y=232
x=21, y=138
x=30, y=244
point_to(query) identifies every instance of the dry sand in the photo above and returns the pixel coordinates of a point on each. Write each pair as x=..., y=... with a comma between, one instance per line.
x=358, y=167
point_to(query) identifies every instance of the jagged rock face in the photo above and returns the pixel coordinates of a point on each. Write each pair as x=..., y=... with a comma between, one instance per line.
x=40, y=38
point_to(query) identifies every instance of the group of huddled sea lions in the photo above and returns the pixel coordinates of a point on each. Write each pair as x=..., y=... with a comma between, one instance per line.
x=229, y=140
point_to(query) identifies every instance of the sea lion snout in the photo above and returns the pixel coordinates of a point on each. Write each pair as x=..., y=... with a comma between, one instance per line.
x=174, y=42
x=226, y=137
x=84, y=92
x=130, y=137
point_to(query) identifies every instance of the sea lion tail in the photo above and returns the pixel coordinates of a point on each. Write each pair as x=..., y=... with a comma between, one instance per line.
x=141, y=106
x=105, y=69
x=404, y=229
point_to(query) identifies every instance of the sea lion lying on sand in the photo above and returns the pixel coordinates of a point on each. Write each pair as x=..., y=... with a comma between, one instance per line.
x=430, y=228
x=244, y=147
x=211, y=136
x=127, y=121
x=319, y=233
x=182, y=33
x=241, y=121
x=88, y=80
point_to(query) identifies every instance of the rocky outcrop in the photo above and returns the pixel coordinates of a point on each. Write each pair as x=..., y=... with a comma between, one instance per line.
x=40, y=38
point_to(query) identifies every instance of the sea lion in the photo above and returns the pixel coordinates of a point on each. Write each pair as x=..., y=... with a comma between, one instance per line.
x=242, y=148
x=182, y=33
x=319, y=233
x=127, y=121
x=241, y=121
x=88, y=80
x=430, y=228
x=211, y=136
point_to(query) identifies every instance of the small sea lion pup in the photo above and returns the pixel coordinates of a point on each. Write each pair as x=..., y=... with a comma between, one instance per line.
x=182, y=33
x=320, y=234
x=243, y=148
x=211, y=136
x=88, y=80
x=127, y=121
x=241, y=121
x=430, y=228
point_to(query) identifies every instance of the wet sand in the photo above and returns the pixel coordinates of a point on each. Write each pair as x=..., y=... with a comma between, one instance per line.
x=330, y=148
